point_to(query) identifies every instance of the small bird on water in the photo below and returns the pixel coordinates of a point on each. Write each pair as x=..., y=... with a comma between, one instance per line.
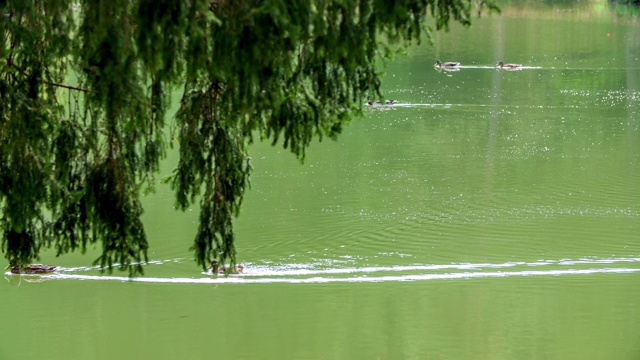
x=30, y=269
x=502, y=65
x=447, y=64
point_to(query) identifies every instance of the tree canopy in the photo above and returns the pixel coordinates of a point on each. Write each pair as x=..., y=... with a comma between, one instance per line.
x=85, y=87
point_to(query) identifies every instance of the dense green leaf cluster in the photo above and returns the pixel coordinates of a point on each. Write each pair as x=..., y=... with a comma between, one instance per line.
x=85, y=85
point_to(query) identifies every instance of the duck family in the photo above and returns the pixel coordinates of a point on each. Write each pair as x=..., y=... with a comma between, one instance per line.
x=380, y=103
x=217, y=269
x=30, y=268
x=446, y=66
x=454, y=65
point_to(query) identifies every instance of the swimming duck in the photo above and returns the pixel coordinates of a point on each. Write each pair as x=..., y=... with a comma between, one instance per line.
x=448, y=64
x=216, y=269
x=509, y=66
x=30, y=269
x=378, y=103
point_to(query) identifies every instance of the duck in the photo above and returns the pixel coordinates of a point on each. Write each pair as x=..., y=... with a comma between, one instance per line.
x=448, y=64
x=509, y=66
x=217, y=269
x=30, y=269
x=378, y=103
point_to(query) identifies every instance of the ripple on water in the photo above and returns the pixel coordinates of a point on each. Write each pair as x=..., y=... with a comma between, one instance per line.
x=326, y=273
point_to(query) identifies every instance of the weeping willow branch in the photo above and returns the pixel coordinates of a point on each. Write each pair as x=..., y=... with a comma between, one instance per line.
x=287, y=71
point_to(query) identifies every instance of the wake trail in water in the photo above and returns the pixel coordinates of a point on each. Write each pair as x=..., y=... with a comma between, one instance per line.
x=524, y=67
x=394, y=278
x=301, y=273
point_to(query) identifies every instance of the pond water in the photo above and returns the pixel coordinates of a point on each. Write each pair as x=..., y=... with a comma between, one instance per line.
x=488, y=215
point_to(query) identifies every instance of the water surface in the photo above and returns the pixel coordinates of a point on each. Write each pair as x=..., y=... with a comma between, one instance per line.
x=488, y=215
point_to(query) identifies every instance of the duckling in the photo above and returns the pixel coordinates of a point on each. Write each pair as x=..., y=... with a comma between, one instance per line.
x=30, y=269
x=502, y=65
x=216, y=269
x=447, y=65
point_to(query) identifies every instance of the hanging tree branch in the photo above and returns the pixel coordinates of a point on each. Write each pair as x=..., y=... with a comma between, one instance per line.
x=289, y=71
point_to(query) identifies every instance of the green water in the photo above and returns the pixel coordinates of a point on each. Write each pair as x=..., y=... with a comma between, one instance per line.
x=488, y=215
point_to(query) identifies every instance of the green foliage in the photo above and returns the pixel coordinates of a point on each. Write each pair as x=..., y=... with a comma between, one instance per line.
x=84, y=90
